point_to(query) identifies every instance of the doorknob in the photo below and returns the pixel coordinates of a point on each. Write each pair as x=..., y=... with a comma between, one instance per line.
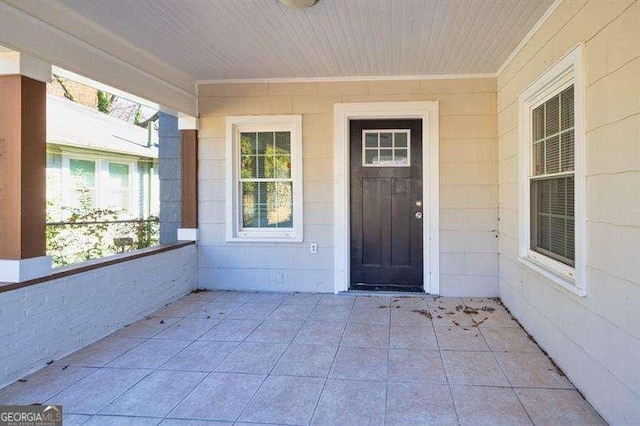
x=419, y=215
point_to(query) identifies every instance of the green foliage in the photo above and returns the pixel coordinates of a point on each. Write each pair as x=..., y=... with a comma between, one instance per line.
x=89, y=233
x=138, y=119
x=105, y=102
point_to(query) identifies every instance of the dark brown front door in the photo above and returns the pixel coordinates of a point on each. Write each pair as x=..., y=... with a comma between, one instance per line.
x=386, y=205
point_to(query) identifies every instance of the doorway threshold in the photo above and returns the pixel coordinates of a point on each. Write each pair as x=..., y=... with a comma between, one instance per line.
x=385, y=293
x=386, y=288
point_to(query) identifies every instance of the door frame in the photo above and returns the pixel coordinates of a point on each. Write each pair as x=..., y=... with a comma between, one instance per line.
x=428, y=112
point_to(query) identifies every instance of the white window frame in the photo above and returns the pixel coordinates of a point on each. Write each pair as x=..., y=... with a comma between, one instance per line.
x=564, y=73
x=262, y=123
x=102, y=178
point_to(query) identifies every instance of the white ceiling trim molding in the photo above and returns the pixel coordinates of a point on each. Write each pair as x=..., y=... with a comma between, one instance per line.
x=57, y=47
x=355, y=78
x=26, y=65
x=529, y=35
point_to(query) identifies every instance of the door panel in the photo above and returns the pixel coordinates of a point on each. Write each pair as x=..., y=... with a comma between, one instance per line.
x=386, y=235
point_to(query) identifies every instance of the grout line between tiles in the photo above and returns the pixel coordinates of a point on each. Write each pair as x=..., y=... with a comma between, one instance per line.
x=446, y=374
x=277, y=361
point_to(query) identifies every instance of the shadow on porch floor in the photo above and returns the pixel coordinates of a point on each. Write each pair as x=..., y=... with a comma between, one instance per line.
x=224, y=357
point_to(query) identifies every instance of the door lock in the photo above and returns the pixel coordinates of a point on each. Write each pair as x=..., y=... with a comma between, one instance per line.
x=419, y=203
x=419, y=215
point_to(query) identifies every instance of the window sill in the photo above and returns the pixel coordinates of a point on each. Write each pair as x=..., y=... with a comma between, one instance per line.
x=551, y=276
x=89, y=265
x=256, y=239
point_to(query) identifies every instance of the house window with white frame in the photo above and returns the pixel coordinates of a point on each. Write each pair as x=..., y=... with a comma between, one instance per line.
x=552, y=215
x=94, y=182
x=264, y=165
x=552, y=181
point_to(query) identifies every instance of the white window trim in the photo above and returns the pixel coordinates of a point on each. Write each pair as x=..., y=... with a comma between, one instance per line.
x=428, y=112
x=236, y=124
x=565, y=72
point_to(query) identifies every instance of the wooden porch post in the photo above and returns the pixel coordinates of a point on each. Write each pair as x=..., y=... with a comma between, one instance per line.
x=22, y=173
x=189, y=187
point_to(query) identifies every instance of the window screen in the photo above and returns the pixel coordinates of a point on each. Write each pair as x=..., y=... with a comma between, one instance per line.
x=552, y=182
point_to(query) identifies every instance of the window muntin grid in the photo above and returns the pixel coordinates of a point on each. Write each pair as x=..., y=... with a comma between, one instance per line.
x=552, y=184
x=386, y=148
x=266, y=183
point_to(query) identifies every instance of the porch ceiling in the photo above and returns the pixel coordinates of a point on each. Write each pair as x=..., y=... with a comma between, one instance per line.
x=249, y=39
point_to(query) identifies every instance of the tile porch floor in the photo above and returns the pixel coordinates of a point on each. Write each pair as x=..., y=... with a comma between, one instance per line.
x=271, y=358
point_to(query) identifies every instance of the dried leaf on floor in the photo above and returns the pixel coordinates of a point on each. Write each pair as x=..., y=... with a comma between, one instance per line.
x=477, y=323
x=423, y=312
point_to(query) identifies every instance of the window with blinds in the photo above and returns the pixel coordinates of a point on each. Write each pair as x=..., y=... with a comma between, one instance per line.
x=552, y=181
x=264, y=178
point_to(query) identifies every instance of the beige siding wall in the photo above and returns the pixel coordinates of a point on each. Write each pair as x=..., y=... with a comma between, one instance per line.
x=468, y=178
x=595, y=339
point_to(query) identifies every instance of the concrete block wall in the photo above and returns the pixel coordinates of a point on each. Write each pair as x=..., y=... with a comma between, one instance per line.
x=170, y=175
x=47, y=321
x=594, y=339
x=468, y=179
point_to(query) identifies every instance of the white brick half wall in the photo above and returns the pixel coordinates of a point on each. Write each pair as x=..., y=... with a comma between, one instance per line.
x=47, y=321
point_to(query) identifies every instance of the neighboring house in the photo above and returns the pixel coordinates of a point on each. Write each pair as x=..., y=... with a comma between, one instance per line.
x=111, y=163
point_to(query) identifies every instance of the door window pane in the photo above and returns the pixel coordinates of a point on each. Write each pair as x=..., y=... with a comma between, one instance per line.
x=385, y=148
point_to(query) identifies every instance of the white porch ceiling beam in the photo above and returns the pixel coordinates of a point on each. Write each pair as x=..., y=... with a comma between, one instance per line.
x=131, y=71
x=26, y=65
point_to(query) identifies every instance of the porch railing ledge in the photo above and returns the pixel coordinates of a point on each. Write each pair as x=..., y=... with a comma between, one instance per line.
x=89, y=265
